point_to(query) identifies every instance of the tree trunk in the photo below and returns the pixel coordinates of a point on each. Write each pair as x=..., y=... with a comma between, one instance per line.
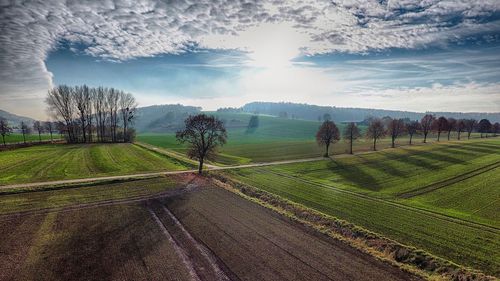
x=326, y=153
x=51, y=140
x=3, y=138
x=351, y=146
x=24, y=137
x=39, y=137
x=449, y=132
x=458, y=137
x=425, y=137
x=393, y=139
x=411, y=136
x=200, y=167
x=374, y=144
x=439, y=134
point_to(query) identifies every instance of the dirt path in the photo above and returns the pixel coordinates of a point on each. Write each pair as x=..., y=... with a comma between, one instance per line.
x=154, y=174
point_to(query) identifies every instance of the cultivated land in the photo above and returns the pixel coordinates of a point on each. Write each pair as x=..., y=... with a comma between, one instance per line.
x=453, y=215
x=170, y=232
x=15, y=138
x=275, y=139
x=54, y=162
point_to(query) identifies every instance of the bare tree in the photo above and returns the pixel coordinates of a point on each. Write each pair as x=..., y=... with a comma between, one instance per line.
x=82, y=96
x=375, y=131
x=412, y=128
x=49, y=127
x=112, y=102
x=60, y=101
x=327, y=134
x=5, y=129
x=203, y=134
x=395, y=128
x=37, y=126
x=452, y=125
x=460, y=127
x=25, y=129
x=470, y=124
x=351, y=133
x=439, y=125
x=484, y=127
x=127, y=109
x=426, y=125
x=85, y=110
x=496, y=129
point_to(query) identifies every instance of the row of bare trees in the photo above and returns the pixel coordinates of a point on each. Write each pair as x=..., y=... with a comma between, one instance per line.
x=92, y=114
x=328, y=132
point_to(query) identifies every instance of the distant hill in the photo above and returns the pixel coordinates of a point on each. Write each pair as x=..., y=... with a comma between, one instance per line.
x=163, y=118
x=345, y=114
x=14, y=120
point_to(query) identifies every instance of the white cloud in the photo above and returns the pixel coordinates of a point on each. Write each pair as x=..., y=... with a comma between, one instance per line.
x=122, y=29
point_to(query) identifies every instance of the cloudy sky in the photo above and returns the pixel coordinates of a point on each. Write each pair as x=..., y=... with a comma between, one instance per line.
x=408, y=55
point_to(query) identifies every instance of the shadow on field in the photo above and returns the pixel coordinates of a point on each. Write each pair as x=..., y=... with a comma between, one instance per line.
x=352, y=173
x=93, y=246
x=411, y=158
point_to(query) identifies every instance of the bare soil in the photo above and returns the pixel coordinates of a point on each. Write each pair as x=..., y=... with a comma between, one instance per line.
x=254, y=243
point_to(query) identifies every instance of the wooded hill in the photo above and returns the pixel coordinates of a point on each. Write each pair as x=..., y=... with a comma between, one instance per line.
x=345, y=114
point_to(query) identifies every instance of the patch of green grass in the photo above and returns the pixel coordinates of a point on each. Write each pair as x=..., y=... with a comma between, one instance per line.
x=275, y=139
x=55, y=162
x=458, y=222
x=64, y=197
x=14, y=138
x=475, y=199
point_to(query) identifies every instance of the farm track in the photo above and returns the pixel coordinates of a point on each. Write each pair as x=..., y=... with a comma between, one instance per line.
x=154, y=174
x=201, y=262
x=489, y=228
x=449, y=181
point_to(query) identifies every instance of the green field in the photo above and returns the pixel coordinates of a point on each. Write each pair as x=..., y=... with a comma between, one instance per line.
x=15, y=138
x=56, y=162
x=458, y=221
x=275, y=139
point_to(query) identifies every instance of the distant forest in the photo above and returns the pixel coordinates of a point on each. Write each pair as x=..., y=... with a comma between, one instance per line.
x=345, y=114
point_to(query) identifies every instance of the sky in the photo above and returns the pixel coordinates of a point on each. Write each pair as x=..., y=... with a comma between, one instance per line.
x=421, y=56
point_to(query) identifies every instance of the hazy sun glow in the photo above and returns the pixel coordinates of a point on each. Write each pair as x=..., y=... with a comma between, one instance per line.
x=269, y=45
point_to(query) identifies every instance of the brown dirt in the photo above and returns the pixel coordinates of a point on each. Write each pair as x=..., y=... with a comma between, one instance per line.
x=108, y=243
x=254, y=243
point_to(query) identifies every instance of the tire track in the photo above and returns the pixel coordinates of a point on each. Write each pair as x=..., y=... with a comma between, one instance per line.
x=180, y=252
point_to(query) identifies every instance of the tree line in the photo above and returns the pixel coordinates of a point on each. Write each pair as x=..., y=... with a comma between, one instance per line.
x=88, y=114
x=38, y=126
x=378, y=128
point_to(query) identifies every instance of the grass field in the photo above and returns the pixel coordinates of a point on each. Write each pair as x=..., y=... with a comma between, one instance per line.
x=366, y=190
x=54, y=162
x=14, y=138
x=48, y=198
x=275, y=139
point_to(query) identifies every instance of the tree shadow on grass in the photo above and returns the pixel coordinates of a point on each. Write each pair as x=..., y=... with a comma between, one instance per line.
x=411, y=157
x=352, y=173
x=433, y=156
x=482, y=147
